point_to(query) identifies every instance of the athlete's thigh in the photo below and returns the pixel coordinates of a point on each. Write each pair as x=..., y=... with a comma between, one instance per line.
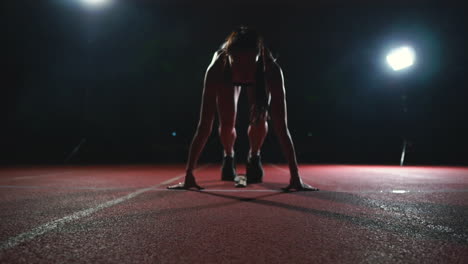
x=227, y=99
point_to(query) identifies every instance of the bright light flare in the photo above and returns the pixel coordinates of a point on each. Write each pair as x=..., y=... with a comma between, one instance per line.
x=401, y=58
x=96, y=3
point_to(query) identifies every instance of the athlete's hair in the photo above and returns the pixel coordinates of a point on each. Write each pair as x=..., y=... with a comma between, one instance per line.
x=244, y=39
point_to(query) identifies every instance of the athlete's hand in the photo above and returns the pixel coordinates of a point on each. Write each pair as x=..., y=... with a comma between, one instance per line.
x=297, y=184
x=258, y=114
x=187, y=184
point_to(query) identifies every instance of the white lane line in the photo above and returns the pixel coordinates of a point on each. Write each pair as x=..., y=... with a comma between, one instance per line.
x=238, y=190
x=399, y=191
x=396, y=192
x=228, y=190
x=330, y=191
x=123, y=188
x=29, y=235
x=207, y=189
x=278, y=167
x=64, y=187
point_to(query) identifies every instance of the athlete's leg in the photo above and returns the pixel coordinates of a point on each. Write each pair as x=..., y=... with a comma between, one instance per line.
x=227, y=111
x=257, y=134
x=258, y=131
x=227, y=100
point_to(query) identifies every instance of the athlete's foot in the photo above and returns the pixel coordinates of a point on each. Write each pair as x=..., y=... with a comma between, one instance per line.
x=228, y=168
x=296, y=184
x=187, y=184
x=254, y=169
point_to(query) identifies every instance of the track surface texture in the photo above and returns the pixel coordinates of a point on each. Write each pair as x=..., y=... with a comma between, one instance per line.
x=125, y=214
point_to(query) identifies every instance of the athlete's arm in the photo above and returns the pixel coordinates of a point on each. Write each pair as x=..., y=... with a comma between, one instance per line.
x=208, y=104
x=207, y=113
x=205, y=124
x=278, y=98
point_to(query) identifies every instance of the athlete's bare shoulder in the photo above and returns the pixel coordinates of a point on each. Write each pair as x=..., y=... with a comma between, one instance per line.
x=217, y=62
x=214, y=72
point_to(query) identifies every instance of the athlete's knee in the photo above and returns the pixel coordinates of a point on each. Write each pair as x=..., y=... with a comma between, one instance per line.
x=227, y=129
x=259, y=118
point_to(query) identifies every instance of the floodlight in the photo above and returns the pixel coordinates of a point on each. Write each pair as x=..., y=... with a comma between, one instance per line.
x=95, y=3
x=401, y=58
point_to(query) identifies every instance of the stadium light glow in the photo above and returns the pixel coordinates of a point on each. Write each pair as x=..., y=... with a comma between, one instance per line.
x=95, y=3
x=401, y=58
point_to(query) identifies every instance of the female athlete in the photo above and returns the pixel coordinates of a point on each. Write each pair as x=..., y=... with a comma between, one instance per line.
x=243, y=61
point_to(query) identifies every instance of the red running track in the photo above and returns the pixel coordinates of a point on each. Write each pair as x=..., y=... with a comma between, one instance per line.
x=124, y=214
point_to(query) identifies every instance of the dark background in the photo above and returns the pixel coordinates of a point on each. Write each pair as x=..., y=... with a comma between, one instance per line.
x=122, y=79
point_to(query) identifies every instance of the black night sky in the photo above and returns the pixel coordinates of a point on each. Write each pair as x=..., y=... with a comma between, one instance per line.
x=123, y=78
